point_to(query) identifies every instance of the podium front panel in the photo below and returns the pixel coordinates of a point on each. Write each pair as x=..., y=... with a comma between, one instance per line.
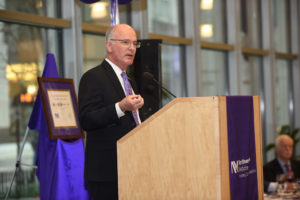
x=180, y=152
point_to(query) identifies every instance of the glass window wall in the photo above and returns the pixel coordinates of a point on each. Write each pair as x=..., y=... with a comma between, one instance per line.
x=280, y=26
x=212, y=20
x=93, y=50
x=164, y=17
x=172, y=71
x=39, y=7
x=22, y=58
x=251, y=75
x=282, y=70
x=282, y=92
x=251, y=72
x=251, y=23
x=213, y=73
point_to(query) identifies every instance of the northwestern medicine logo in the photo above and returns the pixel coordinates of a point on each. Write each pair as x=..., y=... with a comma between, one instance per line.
x=240, y=165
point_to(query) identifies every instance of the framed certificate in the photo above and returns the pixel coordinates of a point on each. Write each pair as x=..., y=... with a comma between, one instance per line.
x=60, y=107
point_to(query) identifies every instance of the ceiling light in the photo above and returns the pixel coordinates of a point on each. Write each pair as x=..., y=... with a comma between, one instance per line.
x=207, y=4
x=99, y=10
x=206, y=30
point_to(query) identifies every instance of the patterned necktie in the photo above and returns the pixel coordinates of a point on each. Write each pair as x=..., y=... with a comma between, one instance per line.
x=289, y=172
x=128, y=90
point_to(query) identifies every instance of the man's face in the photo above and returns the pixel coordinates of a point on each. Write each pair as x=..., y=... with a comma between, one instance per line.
x=120, y=49
x=285, y=149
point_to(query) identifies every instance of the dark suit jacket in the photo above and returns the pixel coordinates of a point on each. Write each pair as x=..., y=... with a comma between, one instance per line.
x=99, y=90
x=273, y=168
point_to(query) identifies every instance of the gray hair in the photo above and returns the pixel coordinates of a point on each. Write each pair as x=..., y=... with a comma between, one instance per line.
x=110, y=31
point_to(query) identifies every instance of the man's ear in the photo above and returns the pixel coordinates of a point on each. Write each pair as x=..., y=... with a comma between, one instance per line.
x=108, y=45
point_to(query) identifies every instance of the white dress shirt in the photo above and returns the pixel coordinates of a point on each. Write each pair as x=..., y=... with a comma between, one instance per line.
x=118, y=72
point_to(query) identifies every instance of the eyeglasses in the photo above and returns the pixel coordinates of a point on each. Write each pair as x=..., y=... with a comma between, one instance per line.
x=127, y=43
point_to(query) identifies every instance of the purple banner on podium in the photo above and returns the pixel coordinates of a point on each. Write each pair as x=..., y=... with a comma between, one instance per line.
x=241, y=148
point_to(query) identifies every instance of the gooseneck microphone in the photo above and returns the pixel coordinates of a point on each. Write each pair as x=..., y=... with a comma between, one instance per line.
x=150, y=76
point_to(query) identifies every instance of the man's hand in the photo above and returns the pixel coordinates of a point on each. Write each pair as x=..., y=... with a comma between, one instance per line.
x=131, y=103
x=290, y=187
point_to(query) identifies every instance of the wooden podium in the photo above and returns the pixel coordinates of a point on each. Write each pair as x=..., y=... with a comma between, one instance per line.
x=181, y=152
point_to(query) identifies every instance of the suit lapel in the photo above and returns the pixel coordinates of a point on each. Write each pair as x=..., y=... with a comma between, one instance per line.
x=114, y=79
x=279, y=168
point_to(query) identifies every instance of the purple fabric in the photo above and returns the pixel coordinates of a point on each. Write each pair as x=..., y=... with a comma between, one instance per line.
x=60, y=164
x=94, y=1
x=128, y=90
x=113, y=12
x=89, y=1
x=124, y=1
x=34, y=121
x=241, y=147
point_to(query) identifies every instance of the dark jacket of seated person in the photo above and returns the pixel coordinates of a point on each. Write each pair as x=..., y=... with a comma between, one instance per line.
x=284, y=150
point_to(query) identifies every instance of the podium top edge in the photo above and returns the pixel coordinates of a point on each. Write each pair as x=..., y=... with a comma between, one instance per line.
x=199, y=98
x=176, y=101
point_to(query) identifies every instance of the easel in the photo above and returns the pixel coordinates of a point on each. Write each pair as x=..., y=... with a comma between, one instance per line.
x=18, y=163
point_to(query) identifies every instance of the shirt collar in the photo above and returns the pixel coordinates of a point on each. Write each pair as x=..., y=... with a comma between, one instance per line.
x=118, y=72
x=117, y=69
x=282, y=164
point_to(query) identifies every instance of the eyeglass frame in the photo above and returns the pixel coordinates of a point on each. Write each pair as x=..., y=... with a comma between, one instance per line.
x=136, y=44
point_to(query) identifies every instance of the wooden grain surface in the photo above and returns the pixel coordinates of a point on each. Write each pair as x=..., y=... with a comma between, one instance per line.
x=180, y=152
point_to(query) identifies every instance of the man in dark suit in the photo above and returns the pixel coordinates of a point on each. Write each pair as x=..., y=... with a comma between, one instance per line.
x=107, y=112
x=283, y=164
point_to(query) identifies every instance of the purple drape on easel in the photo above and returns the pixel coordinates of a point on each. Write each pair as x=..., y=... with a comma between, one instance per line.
x=60, y=164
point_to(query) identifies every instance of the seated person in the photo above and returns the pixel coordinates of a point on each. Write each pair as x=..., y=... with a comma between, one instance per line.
x=283, y=164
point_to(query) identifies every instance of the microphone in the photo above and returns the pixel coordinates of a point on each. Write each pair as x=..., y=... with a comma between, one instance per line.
x=150, y=76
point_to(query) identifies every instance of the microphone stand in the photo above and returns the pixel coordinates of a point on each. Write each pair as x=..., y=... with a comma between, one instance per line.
x=149, y=75
x=164, y=88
